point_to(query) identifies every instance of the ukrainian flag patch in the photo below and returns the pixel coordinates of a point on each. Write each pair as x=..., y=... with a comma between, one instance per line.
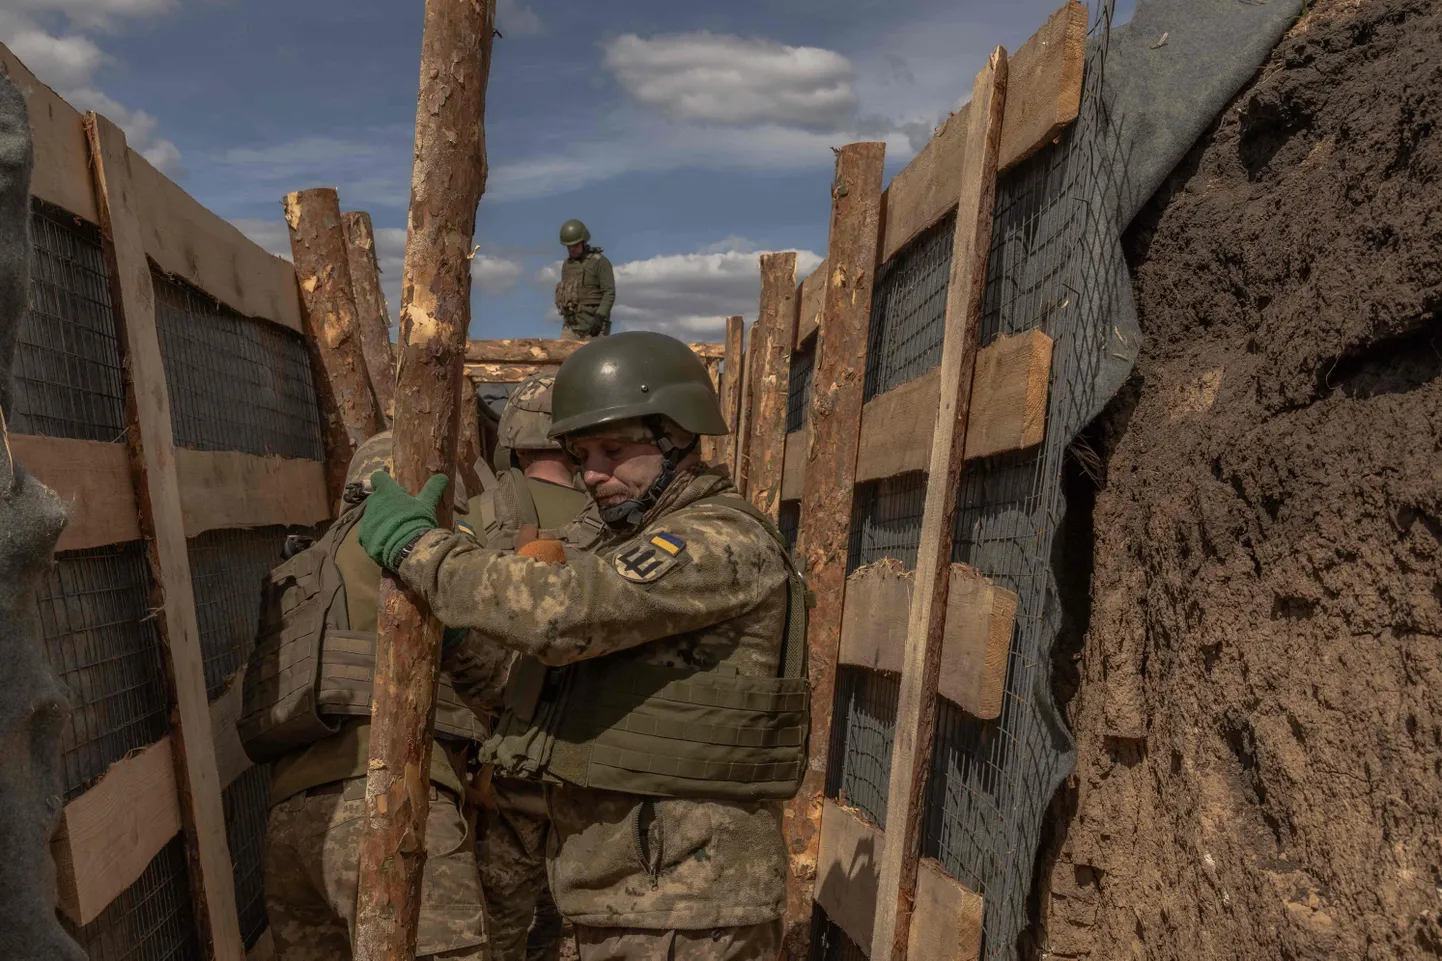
x=465, y=528
x=669, y=543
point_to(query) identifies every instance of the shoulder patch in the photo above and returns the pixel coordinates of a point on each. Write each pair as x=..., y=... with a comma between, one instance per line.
x=465, y=528
x=645, y=563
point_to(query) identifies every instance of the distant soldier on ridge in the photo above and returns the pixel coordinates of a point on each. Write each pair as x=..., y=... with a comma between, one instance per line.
x=587, y=288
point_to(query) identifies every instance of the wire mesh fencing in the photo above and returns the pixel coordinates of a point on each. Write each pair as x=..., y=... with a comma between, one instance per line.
x=102, y=642
x=788, y=520
x=227, y=568
x=68, y=375
x=830, y=943
x=247, y=808
x=235, y=383
x=908, y=310
x=798, y=387
x=886, y=520
x=863, y=727
x=152, y=920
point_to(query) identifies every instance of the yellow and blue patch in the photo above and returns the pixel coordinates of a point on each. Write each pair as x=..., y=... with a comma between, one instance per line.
x=647, y=562
x=669, y=543
x=465, y=528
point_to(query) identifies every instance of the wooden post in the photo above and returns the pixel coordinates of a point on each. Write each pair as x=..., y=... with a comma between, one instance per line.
x=825, y=533
x=777, y=324
x=322, y=268
x=372, y=318
x=755, y=347
x=731, y=390
x=157, y=490
x=447, y=181
x=709, y=445
x=921, y=665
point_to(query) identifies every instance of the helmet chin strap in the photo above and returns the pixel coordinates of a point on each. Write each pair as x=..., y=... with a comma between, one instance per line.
x=629, y=514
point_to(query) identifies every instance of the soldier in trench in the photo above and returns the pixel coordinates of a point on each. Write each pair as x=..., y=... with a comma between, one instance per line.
x=587, y=288
x=667, y=715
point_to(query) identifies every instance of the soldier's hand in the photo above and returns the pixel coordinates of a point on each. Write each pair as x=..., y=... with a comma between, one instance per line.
x=393, y=518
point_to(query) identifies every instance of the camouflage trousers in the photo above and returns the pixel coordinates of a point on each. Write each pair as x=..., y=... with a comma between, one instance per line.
x=311, y=847
x=754, y=942
x=522, y=919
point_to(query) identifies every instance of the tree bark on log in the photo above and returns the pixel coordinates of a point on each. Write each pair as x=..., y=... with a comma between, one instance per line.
x=777, y=323
x=322, y=268
x=468, y=443
x=447, y=181
x=373, y=318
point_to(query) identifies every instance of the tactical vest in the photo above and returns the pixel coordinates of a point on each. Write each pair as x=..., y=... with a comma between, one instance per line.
x=618, y=724
x=310, y=671
x=573, y=294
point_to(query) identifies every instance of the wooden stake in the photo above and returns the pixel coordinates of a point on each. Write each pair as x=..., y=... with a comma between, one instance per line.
x=777, y=322
x=372, y=318
x=322, y=268
x=825, y=533
x=447, y=182
x=926, y=629
x=743, y=419
x=157, y=490
x=468, y=440
x=731, y=391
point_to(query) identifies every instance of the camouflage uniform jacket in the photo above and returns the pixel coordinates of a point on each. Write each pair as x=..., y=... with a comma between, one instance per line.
x=623, y=860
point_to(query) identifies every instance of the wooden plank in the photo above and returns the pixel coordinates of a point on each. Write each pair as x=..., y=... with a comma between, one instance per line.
x=505, y=373
x=108, y=835
x=947, y=925
x=810, y=298
x=189, y=241
x=793, y=472
x=974, y=647
x=1008, y=395
x=264, y=949
x=94, y=480
x=1045, y=96
x=777, y=318
x=1008, y=409
x=896, y=429
x=825, y=530
x=61, y=174
x=926, y=628
x=977, y=639
x=220, y=489
x=161, y=520
x=731, y=389
x=373, y=320
x=873, y=626
x=332, y=331
x=847, y=870
x=541, y=350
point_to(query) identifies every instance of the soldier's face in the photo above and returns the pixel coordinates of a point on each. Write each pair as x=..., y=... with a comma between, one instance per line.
x=616, y=469
x=575, y=249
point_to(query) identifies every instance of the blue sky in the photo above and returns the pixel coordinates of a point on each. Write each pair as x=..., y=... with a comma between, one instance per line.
x=687, y=136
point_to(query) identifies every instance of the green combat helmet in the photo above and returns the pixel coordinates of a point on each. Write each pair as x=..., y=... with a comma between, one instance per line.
x=637, y=375
x=574, y=232
x=526, y=420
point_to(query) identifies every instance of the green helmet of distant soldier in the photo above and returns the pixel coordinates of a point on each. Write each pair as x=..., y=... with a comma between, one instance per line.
x=574, y=232
x=526, y=421
x=372, y=455
x=637, y=379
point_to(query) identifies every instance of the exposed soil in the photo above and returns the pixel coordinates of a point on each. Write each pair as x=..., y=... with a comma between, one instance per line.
x=1258, y=702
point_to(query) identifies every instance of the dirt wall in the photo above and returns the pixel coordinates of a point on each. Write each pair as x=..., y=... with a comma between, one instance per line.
x=1258, y=698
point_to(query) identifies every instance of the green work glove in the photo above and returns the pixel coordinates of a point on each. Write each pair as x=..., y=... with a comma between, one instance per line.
x=393, y=518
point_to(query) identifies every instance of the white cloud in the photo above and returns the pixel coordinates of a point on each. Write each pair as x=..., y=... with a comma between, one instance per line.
x=68, y=63
x=716, y=78
x=688, y=295
x=371, y=169
x=515, y=19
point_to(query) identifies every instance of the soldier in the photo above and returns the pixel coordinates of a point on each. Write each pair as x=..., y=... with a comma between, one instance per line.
x=320, y=606
x=535, y=487
x=587, y=288
x=671, y=721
